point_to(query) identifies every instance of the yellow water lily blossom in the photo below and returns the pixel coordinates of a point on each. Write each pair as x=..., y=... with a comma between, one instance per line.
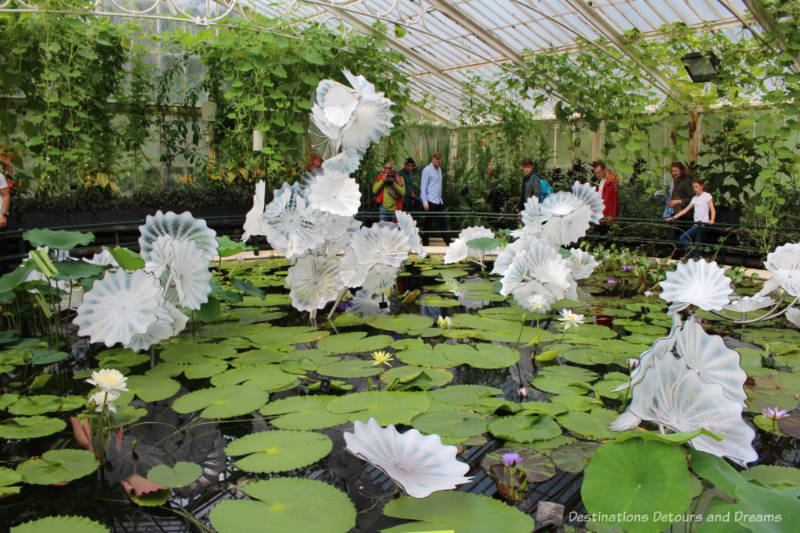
x=444, y=322
x=570, y=319
x=381, y=358
x=108, y=379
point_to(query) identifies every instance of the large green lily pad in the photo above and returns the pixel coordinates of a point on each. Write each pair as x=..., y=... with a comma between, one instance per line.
x=592, y=425
x=262, y=356
x=180, y=475
x=482, y=355
x=58, y=466
x=386, y=407
x=222, y=402
x=637, y=478
x=422, y=377
x=573, y=457
x=304, y=413
x=450, y=423
x=29, y=427
x=62, y=524
x=46, y=403
x=524, y=428
x=456, y=511
x=424, y=355
x=399, y=323
x=353, y=368
x=353, y=342
x=268, y=378
x=536, y=465
x=276, y=336
x=153, y=388
x=57, y=239
x=287, y=505
x=279, y=450
x=464, y=395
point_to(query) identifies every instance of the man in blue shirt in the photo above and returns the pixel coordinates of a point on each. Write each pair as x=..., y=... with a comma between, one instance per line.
x=430, y=194
x=533, y=184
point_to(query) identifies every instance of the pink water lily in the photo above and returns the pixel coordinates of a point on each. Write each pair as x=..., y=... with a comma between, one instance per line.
x=612, y=282
x=632, y=363
x=511, y=459
x=774, y=414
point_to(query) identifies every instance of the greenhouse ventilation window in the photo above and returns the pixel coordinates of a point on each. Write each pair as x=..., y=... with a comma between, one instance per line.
x=701, y=67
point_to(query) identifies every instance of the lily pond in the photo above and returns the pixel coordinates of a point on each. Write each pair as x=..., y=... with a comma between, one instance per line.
x=239, y=423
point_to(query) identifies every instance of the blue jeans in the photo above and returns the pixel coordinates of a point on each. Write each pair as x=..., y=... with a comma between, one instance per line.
x=693, y=235
x=385, y=215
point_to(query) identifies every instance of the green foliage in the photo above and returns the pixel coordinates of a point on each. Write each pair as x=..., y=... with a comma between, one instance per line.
x=63, y=524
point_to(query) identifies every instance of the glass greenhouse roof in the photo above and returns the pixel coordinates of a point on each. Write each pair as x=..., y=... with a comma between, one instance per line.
x=446, y=43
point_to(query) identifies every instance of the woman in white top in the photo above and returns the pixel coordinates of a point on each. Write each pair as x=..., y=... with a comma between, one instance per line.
x=704, y=213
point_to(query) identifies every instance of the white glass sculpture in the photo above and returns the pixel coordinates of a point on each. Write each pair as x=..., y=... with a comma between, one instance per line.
x=784, y=263
x=187, y=271
x=420, y=464
x=178, y=227
x=532, y=213
x=537, y=270
x=338, y=231
x=749, y=303
x=171, y=321
x=367, y=304
x=384, y=245
x=380, y=279
x=343, y=163
x=314, y=281
x=408, y=226
x=507, y=254
x=291, y=225
x=350, y=117
x=252, y=220
x=352, y=273
x=698, y=283
x=589, y=196
x=648, y=359
x=337, y=194
x=102, y=259
x=581, y=264
x=567, y=218
x=119, y=306
x=456, y=251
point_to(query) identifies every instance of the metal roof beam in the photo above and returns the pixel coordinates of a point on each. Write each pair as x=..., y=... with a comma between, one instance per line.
x=615, y=37
x=763, y=17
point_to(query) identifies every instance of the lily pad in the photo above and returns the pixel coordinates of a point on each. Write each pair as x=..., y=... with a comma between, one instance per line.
x=353, y=342
x=121, y=357
x=436, y=377
x=386, y=407
x=450, y=423
x=46, y=403
x=279, y=450
x=194, y=352
x=424, y=355
x=592, y=425
x=62, y=524
x=576, y=403
x=58, y=466
x=153, y=388
x=287, y=505
x=284, y=336
x=267, y=378
x=776, y=477
x=399, y=323
x=354, y=368
x=259, y=357
x=573, y=457
x=456, y=511
x=483, y=355
x=464, y=395
x=536, y=465
x=57, y=239
x=222, y=402
x=304, y=413
x=524, y=428
x=29, y=427
x=637, y=478
x=180, y=475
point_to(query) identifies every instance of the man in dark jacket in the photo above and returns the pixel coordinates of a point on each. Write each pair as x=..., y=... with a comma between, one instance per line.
x=533, y=184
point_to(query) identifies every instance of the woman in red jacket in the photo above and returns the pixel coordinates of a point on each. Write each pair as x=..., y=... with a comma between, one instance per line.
x=607, y=187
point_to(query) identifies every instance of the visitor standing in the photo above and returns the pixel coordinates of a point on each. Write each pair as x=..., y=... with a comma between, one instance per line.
x=680, y=194
x=704, y=213
x=5, y=190
x=430, y=194
x=607, y=186
x=389, y=188
x=533, y=184
x=407, y=173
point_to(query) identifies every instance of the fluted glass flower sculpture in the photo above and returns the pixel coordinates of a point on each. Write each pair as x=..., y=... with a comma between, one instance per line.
x=252, y=220
x=538, y=269
x=119, y=306
x=380, y=279
x=384, y=245
x=335, y=193
x=567, y=218
x=367, y=304
x=588, y=195
x=291, y=224
x=749, y=303
x=185, y=273
x=581, y=264
x=177, y=227
x=420, y=464
x=784, y=263
x=697, y=283
x=408, y=226
x=314, y=281
x=171, y=321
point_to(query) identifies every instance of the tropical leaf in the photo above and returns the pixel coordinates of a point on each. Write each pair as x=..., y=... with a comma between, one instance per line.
x=62, y=524
x=59, y=240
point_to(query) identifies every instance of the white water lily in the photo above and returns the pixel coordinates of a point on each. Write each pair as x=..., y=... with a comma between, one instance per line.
x=570, y=319
x=252, y=220
x=384, y=245
x=698, y=283
x=444, y=322
x=420, y=464
x=334, y=193
x=109, y=379
x=118, y=306
x=314, y=281
x=581, y=264
x=408, y=226
x=784, y=264
x=589, y=196
x=536, y=303
x=291, y=225
x=102, y=399
x=177, y=227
